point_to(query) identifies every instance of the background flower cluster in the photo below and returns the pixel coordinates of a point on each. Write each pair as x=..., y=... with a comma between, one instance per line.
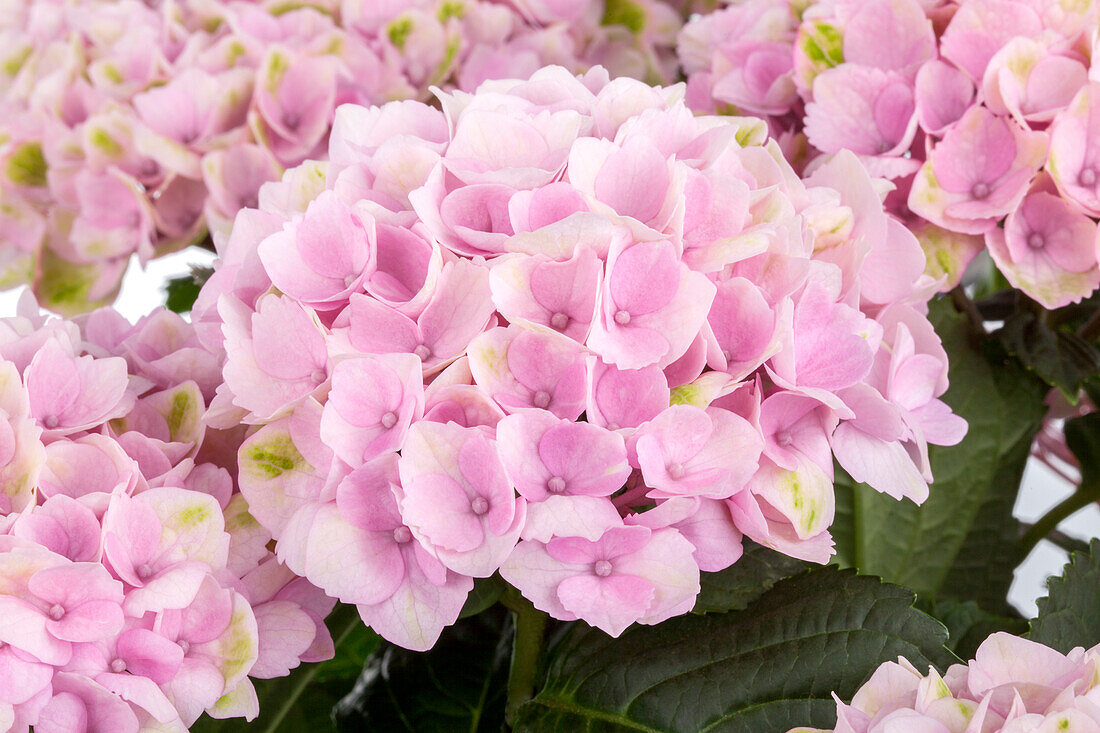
x=137, y=128
x=983, y=114
x=1012, y=685
x=136, y=590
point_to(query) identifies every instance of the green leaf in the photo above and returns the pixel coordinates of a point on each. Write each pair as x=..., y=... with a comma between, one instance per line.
x=460, y=685
x=485, y=593
x=984, y=565
x=939, y=546
x=769, y=667
x=746, y=580
x=1059, y=358
x=1092, y=389
x=304, y=700
x=182, y=291
x=1083, y=438
x=968, y=625
x=1069, y=615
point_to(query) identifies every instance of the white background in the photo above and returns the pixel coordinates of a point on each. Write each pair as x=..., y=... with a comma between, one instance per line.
x=143, y=289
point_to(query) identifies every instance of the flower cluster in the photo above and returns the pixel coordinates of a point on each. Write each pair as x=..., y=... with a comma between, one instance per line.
x=984, y=114
x=566, y=330
x=135, y=589
x=1011, y=686
x=133, y=128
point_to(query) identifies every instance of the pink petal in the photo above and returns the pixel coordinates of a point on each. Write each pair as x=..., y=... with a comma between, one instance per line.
x=350, y=563
x=149, y=654
x=441, y=509
x=889, y=34
x=417, y=612
x=24, y=627
x=21, y=679
x=285, y=632
x=621, y=398
x=943, y=94
x=364, y=497
x=611, y=604
x=645, y=278
x=634, y=180
x=885, y=466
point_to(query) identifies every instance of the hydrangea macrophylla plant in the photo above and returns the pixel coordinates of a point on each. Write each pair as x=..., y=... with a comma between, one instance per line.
x=131, y=128
x=564, y=330
x=1012, y=685
x=982, y=114
x=137, y=591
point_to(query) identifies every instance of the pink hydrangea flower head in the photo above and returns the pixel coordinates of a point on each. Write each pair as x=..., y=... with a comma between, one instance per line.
x=372, y=403
x=628, y=575
x=1075, y=150
x=951, y=191
x=323, y=258
x=72, y=393
x=653, y=306
x=117, y=580
x=686, y=451
x=458, y=499
x=1029, y=82
x=1047, y=248
x=521, y=368
x=545, y=456
x=595, y=342
x=982, y=28
x=1011, y=685
x=861, y=108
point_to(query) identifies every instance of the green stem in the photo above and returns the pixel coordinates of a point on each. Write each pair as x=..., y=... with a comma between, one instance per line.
x=1046, y=524
x=965, y=305
x=345, y=619
x=530, y=628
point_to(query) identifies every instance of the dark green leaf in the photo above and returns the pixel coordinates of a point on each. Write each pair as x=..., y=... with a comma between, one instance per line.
x=746, y=580
x=999, y=305
x=1059, y=358
x=968, y=625
x=1069, y=615
x=1092, y=389
x=486, y=592
x=182, y=291
x=1083, y=438
x=984, y=565
x=767, y=668
x=976, y=483
x=304, y=700
x=460, y=685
